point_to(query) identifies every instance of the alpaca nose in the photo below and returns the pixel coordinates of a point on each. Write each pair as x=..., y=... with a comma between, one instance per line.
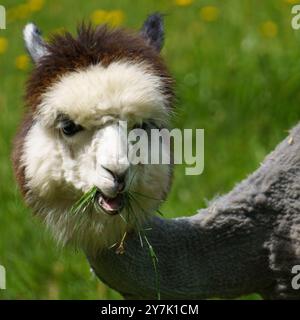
x=119, y=178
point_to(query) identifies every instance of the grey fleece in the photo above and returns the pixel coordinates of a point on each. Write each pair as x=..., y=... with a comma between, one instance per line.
x=246, y=241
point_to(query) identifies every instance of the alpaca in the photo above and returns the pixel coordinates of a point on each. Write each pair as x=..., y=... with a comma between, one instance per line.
x=68, y=141
x=246, y=241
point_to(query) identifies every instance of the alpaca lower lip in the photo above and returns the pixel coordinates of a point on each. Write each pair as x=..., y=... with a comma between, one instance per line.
x=111, y=206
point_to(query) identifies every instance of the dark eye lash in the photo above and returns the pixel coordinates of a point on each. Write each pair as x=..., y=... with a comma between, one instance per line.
x=152, y=124
x=69, y=128
x=145, y=125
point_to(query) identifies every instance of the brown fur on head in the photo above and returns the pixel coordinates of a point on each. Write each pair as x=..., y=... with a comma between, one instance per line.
x=88, y=84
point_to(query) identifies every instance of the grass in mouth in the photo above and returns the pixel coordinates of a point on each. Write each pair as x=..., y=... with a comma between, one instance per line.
x=87, y=200
x=84, y=202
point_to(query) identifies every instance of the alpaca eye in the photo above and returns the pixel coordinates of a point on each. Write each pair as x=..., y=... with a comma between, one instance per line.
x=69, y=128
x=146, y=125
x=142, y=125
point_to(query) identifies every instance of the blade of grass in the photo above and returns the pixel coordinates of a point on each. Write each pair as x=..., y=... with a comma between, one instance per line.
x=154, y=259
x=83, y=203
x=152, y=253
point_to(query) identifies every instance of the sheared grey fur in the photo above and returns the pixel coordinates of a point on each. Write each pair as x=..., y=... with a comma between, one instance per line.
x=246, y=241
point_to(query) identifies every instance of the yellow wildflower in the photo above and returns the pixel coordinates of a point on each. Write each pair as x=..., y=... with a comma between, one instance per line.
x=292, y=1
x=3, y=44
x=113, y=17
x=209, y=13
x=98, y=16
x=269, y=29
x=22, y=11
x=59, y=30
x=183, y=3
x=22, y=62
x=36, y=5
x=11, y=14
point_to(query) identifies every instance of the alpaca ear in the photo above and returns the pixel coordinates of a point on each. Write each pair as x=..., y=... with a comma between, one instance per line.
x=34, y=42
x=153, y=30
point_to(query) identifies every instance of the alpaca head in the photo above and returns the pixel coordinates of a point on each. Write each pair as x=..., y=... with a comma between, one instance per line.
x=70, y=140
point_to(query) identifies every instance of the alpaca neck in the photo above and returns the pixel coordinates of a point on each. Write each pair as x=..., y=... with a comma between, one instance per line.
x=197, y=258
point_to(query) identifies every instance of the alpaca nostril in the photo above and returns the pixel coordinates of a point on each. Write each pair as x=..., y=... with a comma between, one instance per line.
x=120, y=181
x=119, y=178
x=108, y=170
x=121, y=186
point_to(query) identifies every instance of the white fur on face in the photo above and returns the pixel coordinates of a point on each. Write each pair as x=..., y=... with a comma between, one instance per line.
x=123, y=89
x=59, y=169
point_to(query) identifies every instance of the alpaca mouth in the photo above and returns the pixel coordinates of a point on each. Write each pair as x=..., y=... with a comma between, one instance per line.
x=111, y=206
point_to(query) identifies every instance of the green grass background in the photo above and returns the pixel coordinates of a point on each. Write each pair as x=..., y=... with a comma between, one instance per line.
x=239, y=84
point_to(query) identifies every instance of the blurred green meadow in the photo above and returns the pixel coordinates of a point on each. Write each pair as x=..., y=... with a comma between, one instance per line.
x=237, y=68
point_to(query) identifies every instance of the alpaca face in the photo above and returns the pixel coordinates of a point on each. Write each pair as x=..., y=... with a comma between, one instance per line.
x=76, y=144
x=71, y=140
